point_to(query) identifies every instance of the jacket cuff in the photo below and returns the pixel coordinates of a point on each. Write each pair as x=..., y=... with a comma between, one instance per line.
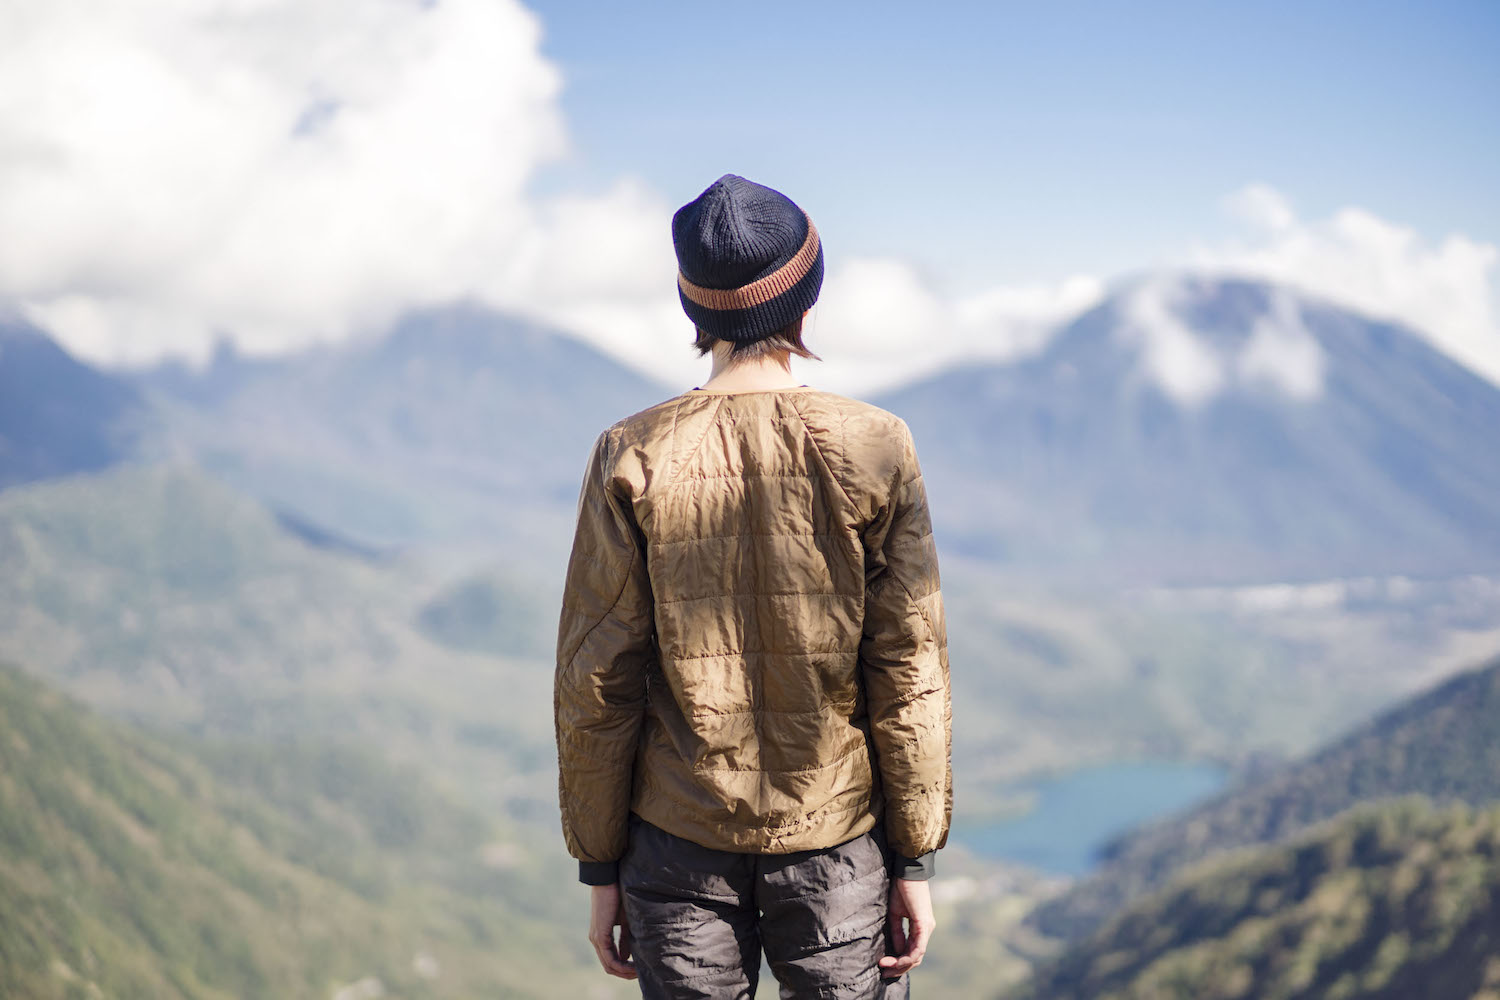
x=598, y=872
x=918, y=869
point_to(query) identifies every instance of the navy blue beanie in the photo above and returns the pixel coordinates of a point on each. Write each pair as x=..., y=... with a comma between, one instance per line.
x=749, y=261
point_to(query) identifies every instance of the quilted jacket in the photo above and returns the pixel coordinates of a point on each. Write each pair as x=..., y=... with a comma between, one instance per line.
x=752, y=652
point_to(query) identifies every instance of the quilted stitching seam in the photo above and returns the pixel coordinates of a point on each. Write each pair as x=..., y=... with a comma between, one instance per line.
x=746, y=593
x=764, y=652
x=741, y=475
x=745, y=534
x=831, y=706
x=861, y=749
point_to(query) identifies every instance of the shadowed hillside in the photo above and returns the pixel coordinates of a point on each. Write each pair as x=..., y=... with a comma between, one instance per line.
x=1396, y=901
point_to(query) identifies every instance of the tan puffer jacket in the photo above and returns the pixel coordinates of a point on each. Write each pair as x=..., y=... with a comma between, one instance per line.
x=752, y=652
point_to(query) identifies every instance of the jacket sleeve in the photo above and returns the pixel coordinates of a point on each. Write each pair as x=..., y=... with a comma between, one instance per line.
x=605, y=639
x=904, y=659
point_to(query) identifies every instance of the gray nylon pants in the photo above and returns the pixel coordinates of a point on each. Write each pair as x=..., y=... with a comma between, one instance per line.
x=699, y=918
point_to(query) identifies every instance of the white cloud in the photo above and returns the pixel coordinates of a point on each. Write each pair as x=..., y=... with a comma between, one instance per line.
x=1279, y=352
x=1282, y=352
x=289, y=171
x=286, y=171
x=1448, y=290
x=879, y=323
x=1179, y=361
x=1262, y=207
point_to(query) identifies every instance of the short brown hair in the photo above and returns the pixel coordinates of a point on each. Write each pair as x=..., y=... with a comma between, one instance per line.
x=788, y=338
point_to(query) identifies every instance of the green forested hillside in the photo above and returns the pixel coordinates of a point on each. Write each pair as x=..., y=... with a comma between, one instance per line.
x=1444, y=744
x=130, y=869
x=1392, y=901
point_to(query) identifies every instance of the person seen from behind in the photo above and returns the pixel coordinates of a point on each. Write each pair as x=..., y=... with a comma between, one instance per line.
x=752, y=707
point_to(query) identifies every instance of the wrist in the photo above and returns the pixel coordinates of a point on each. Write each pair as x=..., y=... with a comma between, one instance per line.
x=598, y=872
x=918, y=869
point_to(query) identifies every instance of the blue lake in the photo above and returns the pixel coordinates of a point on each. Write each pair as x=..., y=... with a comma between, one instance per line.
x=1078, y=811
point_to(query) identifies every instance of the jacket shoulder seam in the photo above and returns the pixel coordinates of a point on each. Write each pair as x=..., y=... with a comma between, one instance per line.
x=635, y=553
x=672, y=438
x=680, y=461
x=813, y=437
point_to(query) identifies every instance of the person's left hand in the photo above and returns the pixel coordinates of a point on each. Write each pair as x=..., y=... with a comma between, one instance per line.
x=911, y=900
x=607, y=910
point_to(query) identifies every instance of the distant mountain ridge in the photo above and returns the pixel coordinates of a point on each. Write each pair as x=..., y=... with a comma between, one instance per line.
x=457, y=427
x=1444, y=744
x=58, y=415
x=1205, y=430
x=1186, y=430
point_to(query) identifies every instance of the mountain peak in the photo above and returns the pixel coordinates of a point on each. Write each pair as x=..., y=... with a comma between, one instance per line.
x=1196, y=429
x=1196, y=337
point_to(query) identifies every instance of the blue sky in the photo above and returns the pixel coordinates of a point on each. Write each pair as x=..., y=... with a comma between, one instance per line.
x=994, y=142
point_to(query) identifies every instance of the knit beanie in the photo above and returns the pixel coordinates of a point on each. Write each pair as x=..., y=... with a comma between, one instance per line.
x=749, y=260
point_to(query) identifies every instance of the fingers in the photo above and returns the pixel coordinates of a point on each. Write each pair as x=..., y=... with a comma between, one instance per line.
x=615, y=960
x=921, y=933
x=898, y=934
x=910, y=946
x=607, y=910
x=610, y=958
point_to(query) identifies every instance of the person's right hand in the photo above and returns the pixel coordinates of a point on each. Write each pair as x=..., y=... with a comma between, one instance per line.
x=606, y=912
x=911, y=901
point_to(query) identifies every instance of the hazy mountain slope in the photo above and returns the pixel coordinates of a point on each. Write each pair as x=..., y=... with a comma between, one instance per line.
x=458, y=426
x=489, y=613
x=1444, y=744
x=159, y=594
x=128, y=869
x=1204, y=430
x=1390, y=902
x=57, y=415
